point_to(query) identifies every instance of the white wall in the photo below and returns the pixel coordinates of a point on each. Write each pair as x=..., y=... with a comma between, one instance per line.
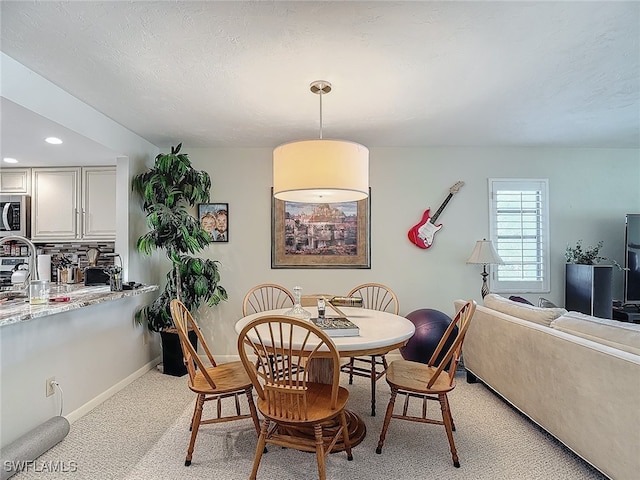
x=96, y=348
x=590, y=192
x=88, y=351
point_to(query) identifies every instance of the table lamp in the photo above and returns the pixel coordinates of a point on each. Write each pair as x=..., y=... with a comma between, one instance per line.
x=484, y=254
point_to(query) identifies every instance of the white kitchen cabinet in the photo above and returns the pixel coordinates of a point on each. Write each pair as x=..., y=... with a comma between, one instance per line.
x=15, y=181
x=73, y=203
x=55, y=203
x=99, y=203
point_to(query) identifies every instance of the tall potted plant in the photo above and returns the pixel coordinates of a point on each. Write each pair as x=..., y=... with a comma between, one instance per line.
x=167, y=192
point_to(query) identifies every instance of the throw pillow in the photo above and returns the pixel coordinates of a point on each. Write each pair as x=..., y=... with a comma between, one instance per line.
x=515, y=298
x=541, y=316
x=544, y=303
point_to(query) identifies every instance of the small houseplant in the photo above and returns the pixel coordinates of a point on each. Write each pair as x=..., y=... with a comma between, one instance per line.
x=587, y=255
x=167, y=192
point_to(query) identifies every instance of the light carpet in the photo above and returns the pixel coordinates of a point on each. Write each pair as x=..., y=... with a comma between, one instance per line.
x=142, y=433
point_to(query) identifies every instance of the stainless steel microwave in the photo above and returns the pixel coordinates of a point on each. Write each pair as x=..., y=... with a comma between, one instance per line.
x=15, y=215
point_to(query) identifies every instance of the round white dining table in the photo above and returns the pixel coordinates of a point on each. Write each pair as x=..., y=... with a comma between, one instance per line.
x=380, y=332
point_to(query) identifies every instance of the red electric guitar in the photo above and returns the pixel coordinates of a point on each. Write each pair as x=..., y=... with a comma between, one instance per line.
x=422, y=234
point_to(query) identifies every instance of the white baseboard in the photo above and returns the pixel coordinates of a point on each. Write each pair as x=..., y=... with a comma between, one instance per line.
x=94, y=402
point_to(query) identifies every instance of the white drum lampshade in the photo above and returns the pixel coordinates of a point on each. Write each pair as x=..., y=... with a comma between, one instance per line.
x=321, y=171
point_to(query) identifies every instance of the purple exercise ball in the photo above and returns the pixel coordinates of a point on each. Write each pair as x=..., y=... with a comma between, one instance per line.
x=430, y=326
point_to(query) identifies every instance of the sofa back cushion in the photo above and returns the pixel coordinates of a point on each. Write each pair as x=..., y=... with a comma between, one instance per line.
x=620, y=335
x=539, y=315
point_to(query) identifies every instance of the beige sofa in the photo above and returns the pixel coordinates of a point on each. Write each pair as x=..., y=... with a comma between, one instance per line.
x=576, y=376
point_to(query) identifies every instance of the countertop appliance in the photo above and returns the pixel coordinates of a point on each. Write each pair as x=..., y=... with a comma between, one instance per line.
x=20, y=274
x=7, y=265
x=15, y=215
x=95, y=276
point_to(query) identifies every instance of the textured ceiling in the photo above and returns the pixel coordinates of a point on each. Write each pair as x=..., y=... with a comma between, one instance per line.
x=230, y=74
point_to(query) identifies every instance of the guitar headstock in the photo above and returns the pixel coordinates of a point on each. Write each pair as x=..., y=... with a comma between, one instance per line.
x=456, y=187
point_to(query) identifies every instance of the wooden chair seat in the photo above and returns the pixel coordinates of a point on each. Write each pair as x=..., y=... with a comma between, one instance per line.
x=318, y=409
x=228, y=377
x=431, y=381
x=212, y=382
x=412, y=377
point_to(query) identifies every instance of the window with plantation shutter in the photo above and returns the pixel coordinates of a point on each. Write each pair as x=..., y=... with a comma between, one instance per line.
x=519, y=224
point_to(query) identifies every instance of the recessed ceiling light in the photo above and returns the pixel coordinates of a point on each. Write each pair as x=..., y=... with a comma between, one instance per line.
x=53, y=140
x=9, y=160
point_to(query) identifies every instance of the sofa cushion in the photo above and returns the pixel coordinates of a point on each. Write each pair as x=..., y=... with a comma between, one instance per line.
x=620, y=335
x=541, y=316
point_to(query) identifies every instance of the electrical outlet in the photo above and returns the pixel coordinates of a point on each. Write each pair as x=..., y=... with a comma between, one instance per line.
x=50, y=388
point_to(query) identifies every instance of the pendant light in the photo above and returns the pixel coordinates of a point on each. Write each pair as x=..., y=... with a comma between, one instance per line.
x=322, y=170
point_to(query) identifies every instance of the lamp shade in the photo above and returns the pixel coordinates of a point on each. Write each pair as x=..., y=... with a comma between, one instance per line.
x=484, y=253
x=321, y=171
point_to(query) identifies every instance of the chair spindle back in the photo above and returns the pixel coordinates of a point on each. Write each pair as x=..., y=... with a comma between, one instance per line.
x=268, y=296
x=452, y=356
x=285, y=348
x=376, y=296
x=184, y=322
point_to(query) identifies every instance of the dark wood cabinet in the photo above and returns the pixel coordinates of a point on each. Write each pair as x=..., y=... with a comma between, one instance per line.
x=588, y=289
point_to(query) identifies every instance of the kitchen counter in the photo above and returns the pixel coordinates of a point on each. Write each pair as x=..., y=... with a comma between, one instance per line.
x=80, y=296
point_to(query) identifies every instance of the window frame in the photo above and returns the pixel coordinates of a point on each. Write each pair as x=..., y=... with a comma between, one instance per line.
x=540, y=185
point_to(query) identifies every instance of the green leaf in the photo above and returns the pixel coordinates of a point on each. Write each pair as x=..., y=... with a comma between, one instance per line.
x=167, y=192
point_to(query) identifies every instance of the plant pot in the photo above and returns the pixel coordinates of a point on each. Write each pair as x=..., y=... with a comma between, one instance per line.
x=172, y=357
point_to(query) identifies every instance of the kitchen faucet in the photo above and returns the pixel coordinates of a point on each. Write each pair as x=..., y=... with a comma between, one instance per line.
x=33, y=271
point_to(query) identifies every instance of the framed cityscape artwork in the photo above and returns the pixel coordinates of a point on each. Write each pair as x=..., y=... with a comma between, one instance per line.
x=320, y=235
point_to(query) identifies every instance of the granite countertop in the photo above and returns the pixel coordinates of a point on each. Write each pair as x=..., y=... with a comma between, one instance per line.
x=19, y=309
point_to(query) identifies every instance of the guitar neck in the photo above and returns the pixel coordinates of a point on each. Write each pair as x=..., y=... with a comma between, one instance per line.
x=444, y=204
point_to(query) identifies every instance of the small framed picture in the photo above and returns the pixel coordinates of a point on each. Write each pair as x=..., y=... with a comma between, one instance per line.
x=214, y=218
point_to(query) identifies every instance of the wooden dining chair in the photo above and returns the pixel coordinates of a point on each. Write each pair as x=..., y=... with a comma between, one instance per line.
x=431, y=381
x=267, y=296
x=212, y=381
x=292, y=403
x=375, y=296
